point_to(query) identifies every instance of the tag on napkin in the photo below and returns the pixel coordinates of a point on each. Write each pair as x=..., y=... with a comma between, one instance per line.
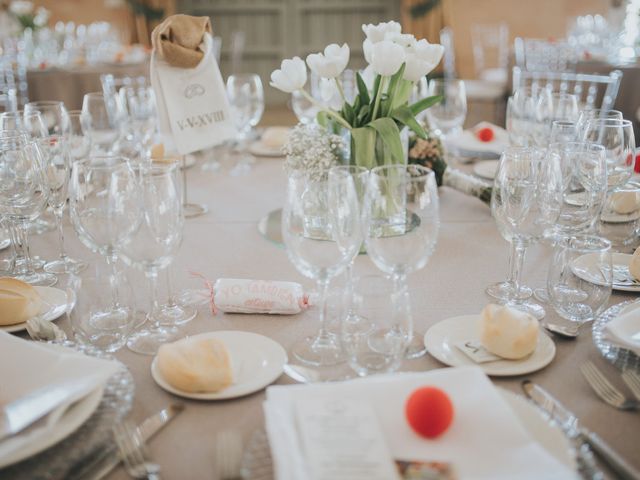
x=191, y=98
x=476, y=351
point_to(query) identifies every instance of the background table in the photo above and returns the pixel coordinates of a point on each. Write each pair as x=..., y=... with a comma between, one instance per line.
x=470, y=254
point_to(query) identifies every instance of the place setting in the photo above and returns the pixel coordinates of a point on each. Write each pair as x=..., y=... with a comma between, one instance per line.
x=262, y=260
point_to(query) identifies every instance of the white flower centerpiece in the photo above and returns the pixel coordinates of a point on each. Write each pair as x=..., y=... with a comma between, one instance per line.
x=396, y=61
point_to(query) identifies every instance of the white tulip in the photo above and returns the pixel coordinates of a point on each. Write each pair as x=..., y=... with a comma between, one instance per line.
x=405, y=40
x=331, y=63
x=376, y=33
x=368, y=77
x=367, y=48
x=21, y=7
x=291, y=76
x=330, y=94
x=386, y=57
x=421, y=59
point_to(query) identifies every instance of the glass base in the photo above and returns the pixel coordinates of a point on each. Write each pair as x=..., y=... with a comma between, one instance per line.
x=504, y=291
x=65, y=265
x=41, y=225
x=147, y=342
x=174, y=314
x=531, y=308
x=541, y=295
x=194, y=209
x=37, y=279
x=310, y=374
x=321, y=352
x=416, y=347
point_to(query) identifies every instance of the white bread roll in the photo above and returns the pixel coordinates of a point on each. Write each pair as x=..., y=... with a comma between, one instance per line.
x=507, y=332
x=624, y=203
x=195, y=365
x=275, y=137
x=634, y=264
x=19, y=301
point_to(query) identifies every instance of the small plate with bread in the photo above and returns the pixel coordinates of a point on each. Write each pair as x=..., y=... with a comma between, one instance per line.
x=626, y=270
x=501, y=340
x=271, y=142
x=20, y=301
x=218, y=365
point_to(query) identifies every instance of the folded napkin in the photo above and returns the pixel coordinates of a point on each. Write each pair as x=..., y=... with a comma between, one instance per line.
x=27, y=367
x=624, y=330
x=178, y=40
x=468, y=142
x=485, y=441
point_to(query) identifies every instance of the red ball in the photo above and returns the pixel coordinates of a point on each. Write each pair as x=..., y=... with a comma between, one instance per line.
x=485, y=134
x=429, y=411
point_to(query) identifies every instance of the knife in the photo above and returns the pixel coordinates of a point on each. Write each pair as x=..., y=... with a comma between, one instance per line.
x=568, y=420
x=109, y=458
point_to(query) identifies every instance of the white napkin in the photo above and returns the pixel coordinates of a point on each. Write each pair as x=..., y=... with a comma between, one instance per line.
x=624, y=330
x=466, y=141
x=485, y=440
x=193, y=109
x=27, y=366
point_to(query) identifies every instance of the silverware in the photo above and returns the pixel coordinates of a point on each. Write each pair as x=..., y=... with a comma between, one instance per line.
x=568, y=421
x=632, y=379
x=102, y=464
x=229, y=451
x=133, y=453
x=605, y=390
x=19, y=414
x=567, y=331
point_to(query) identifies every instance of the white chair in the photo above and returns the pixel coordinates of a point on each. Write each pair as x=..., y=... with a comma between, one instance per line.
x=491, y=52
x=544, y=56
x=595, y=91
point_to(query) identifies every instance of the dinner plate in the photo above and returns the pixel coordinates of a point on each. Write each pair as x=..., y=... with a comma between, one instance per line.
x=587, y=268
x=259, y=149
x=69, y=422
x=613, y=217
x=622, y=358
x=257, y=463
x=441, y=340
x=54, y=304
x=486, y=169
x=256, y=361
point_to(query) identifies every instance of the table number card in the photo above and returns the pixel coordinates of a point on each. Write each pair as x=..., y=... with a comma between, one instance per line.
x=476, y=351
x=342, y=440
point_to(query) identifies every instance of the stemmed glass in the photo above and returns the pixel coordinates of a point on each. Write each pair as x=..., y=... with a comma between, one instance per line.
x=54, y=114
x=563, y=131
x=23, y=197
x=100, y=121
x=448, y=115
x=401, y=222
x=57, y=168
x=79, y=142
x=526, y=200
x=588, y=114
x=32, y=124
x=153, y=246
x=142, y=117
x=246, y=97
x=322, y=233
x=556, y=106
x=104, y=202
x=521, y=118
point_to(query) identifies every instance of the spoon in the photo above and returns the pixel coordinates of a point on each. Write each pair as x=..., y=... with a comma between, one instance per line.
x=567, y=331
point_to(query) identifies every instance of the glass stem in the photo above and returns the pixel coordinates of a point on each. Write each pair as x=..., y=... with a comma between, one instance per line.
x=23, y=258
x=402, y=319
x=323, y=336
x=112, y=260
x=152, y=276
x=170, y=300
x=184, y=181
x=518, y=250
x=349, y=292
x=58, y=215
x=11, y=229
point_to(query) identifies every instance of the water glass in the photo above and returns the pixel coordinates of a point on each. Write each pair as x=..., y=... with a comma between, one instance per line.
x=79, y=141
x=620, y=217
x=100, y=121
x=304, y=109
x=563, y=131
x=32, y=123
x=556, y=106
x=580, y=277
x=448, y=115
x=54, y=114
x=371, y=342
x=588, y=114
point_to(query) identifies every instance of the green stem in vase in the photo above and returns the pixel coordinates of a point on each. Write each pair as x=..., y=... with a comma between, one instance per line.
x=376, y=105
x=341, y=90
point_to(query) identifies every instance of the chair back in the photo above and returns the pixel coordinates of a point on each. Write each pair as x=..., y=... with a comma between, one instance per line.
x=592, y=90
x=491, y=51
x=544, y=56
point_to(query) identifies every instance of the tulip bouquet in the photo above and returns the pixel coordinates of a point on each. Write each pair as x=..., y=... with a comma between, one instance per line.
x=381, y=108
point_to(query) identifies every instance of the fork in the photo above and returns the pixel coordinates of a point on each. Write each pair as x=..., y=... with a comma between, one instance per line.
x=133, y=453
x=229, y=454
x=632, y=379
x=605, y=390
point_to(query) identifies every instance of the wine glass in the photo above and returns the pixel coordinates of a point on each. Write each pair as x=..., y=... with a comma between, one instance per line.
x=246, y=98
x=101, y=122
x=23, y=198
x=520, y=117
x=79, y=141
x=304, y=109
x=57, y=169
x=54, y=114
x=142, y=117
x=448, y=115
x=153, y=245
x=32, y=124
x=556, y=106
x=593, y=114
x=526, y=200
x=401, y=223
x=104, y=203
x=322, y=234
x=619, y=142
x=563, y=131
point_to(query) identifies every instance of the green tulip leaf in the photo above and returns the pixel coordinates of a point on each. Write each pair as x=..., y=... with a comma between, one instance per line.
x=425, y=103
x=364, y=143
x=363, y=93
x=396, y=78
x=390, y=135
x=404, y=115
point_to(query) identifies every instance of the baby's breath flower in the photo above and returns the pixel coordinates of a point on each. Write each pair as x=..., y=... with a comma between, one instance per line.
x=310, y=147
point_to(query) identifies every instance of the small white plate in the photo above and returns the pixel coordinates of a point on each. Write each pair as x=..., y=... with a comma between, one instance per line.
x=259, y=149
x=441, y=340
x=486, y=169
x=586, y=267
x=613, y=217
x=54, y=304
x=256, y=361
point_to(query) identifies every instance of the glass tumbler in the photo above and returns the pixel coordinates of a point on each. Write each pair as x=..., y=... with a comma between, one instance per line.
x=580, y=277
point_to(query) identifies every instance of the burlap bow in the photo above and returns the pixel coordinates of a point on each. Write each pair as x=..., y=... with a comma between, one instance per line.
x=177, y=40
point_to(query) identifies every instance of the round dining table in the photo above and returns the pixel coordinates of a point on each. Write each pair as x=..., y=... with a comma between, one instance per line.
x=226, y=243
